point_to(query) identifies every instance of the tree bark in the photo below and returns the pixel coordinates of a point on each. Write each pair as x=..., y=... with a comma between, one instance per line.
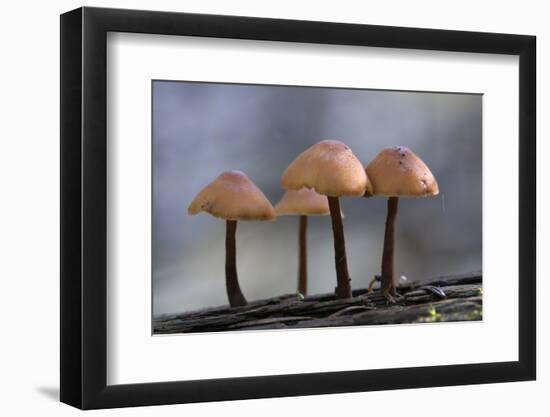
x=302, y=262
x=388, y=282
x=234, y=293
x=343, y=289
x=419, y=304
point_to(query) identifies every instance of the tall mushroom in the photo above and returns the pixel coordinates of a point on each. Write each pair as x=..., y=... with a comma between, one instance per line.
x=232, y=196
x=303, y=202
x=330, y=168
x=397, y=172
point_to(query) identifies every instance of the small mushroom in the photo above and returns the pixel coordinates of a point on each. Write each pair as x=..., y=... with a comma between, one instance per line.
x=232, y=196
x=397, y=172
x=330, y=168
x=303, y=203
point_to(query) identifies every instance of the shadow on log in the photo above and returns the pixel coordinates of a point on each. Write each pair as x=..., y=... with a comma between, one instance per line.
x=445, y=299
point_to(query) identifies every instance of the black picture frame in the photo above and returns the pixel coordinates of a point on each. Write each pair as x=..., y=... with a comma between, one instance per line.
x=84, y=207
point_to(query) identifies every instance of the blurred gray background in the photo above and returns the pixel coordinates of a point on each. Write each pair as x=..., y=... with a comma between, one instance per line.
x=202, y=129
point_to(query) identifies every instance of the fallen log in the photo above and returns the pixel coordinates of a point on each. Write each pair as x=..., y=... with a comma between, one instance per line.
x=448, y=298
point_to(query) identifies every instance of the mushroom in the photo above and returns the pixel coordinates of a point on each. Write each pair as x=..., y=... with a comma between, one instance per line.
x=303, y=202
x=232, y=196
x=397, y=172
x=330, y=168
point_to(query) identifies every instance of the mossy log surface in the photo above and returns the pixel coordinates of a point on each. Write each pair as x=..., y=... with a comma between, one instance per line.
x=448, y=298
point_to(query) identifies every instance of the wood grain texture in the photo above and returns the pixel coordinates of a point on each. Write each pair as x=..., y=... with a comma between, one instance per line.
x=420, y=303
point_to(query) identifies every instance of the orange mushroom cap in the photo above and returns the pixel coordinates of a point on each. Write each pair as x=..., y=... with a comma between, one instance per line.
x=330, y=168
x=302, y=202
x=398, y=172
x=233, y=196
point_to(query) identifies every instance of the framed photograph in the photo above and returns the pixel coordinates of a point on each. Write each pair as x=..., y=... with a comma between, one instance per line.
x=258, y=208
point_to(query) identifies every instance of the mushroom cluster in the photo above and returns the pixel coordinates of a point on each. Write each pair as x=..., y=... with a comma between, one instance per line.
x=315, y=181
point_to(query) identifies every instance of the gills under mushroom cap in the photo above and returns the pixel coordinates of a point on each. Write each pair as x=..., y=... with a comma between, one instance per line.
x=330, y=168
x=304, y=202
x=233, y=196
x=398, y=172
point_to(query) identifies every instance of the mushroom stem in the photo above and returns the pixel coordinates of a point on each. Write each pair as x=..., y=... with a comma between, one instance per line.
x=343, y=289
x=302, y=263
x=234, y=293
x=388, y=283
